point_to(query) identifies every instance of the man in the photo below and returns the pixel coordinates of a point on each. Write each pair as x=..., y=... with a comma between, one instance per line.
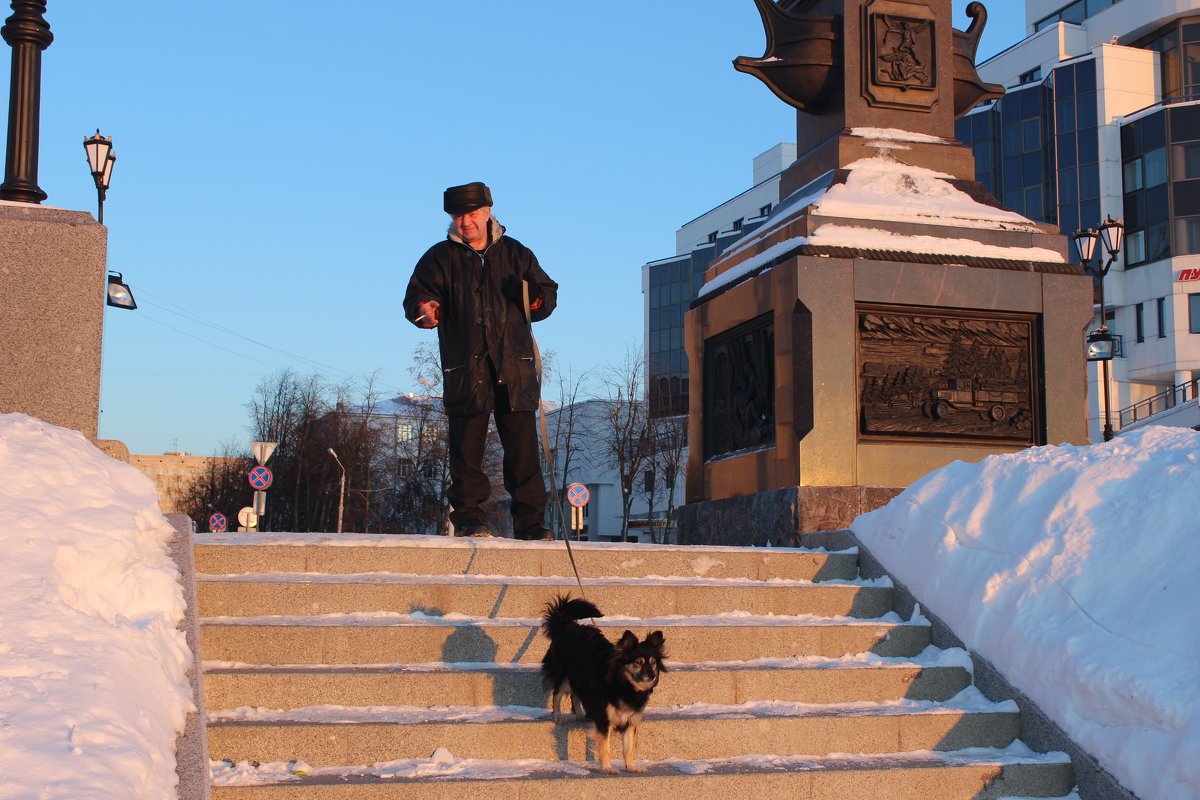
x=473, y=287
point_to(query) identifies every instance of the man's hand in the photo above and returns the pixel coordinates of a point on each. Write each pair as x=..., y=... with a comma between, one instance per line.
x=429, y=314
x=514, y=289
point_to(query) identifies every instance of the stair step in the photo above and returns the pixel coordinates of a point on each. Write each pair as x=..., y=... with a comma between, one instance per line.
x=331, y=735
x=233, y=554
x=967, y=775
x=384, y=639
x=260, y=594
x=805, y=681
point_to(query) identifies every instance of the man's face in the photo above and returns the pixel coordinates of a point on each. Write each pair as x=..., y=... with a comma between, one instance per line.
x=472, y=227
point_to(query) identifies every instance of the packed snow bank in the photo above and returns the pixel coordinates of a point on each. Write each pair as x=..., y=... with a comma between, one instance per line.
x=1074, y=571
x=92, y=669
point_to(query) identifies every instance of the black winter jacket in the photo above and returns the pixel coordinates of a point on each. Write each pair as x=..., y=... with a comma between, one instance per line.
x=482, y=315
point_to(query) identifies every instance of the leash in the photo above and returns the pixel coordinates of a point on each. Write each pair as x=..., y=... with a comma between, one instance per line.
x=546, y=451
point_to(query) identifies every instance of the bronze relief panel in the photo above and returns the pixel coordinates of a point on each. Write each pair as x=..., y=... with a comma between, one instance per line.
x=944, y=374
x=899, y=55
x=739, y=389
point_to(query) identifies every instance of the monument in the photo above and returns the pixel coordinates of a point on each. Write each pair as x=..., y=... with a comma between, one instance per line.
x=52, y=262
x=889, y=316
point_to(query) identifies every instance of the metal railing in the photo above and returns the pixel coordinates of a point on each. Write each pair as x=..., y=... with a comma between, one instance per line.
x=1160, y=402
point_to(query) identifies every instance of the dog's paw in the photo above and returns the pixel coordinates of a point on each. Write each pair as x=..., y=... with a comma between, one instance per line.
x=608, y=771
x=634, y=768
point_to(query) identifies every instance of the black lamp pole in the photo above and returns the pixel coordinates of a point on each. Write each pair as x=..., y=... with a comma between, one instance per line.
x=28, y=33
x=1110, y=235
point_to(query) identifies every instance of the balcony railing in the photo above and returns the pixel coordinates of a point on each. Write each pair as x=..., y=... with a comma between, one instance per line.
x=1160, y=402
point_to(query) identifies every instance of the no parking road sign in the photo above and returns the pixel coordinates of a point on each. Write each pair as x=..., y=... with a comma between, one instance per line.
x=578, y=495
x=217, y=522
x=260, y=477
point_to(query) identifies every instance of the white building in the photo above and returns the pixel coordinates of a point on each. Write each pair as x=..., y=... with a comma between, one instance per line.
x=581, y=437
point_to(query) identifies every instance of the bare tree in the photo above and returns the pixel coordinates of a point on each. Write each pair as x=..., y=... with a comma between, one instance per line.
x=625, y=431
x=669, y=437
x=222, y=487
x=564, y=430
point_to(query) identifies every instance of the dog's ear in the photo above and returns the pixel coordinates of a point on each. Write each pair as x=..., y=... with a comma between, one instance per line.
x=655, y=639
x=627, y=641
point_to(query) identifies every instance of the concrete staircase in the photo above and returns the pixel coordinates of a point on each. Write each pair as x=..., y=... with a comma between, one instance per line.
x=388, y=667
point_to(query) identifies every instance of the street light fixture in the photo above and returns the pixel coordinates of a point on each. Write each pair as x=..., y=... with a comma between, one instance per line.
x=119, y=293
x=342, y=490
x=1100, y=343
x=100, y=160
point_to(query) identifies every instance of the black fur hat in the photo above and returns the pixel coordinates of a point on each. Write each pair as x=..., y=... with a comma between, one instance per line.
x=468, y=197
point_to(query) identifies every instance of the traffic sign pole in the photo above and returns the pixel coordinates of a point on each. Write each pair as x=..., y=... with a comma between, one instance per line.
x=260, y=478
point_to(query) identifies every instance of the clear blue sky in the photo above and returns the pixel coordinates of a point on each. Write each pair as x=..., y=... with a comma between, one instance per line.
x=280, y=168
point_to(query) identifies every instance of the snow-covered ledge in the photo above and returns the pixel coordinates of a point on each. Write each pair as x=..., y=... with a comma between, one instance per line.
x=191, y=746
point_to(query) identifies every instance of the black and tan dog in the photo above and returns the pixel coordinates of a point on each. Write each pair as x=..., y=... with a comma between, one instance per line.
x=611, y=682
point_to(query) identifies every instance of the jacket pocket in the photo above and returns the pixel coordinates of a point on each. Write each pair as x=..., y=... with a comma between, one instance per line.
x=456, y=387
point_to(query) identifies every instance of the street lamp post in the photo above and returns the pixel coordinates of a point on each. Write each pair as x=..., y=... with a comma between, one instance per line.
x=100, y=161
x=1100, y=341
x=342, y=490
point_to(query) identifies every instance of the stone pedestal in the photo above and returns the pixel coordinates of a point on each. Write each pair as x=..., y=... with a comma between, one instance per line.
x=52, y=279
x=851, y=370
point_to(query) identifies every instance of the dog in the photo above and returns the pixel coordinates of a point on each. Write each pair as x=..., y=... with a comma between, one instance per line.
x=611, y=682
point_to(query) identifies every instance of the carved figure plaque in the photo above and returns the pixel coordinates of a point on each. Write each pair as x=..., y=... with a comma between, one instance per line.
x=942, y=374
x=739, y=389
x=899, y=56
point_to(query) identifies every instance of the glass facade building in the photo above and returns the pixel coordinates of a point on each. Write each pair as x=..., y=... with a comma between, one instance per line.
x=672, y=284
x=1102, y=118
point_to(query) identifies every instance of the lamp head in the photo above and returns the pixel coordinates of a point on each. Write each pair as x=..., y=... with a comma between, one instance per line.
x=1085, y=243
x=119, y=294
x=1100, y=345
x=98, y=149
x=1112, y=234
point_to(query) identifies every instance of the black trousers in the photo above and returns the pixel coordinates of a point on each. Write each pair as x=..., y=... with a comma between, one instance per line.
x=469, y=484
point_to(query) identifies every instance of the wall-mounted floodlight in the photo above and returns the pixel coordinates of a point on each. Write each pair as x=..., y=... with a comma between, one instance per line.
x=1100, y=345
x=119, y=294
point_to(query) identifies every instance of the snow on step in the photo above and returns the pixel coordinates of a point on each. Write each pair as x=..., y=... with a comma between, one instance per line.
x=924, y=774
x=440, y=555
x=502, y=596
x=382, y=637
x=327, y=736
x=932, y=675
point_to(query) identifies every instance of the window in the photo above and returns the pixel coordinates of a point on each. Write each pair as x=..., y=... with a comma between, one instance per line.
x=404, y=432
x=1187, y=235
x=712, y=237
x=1162, y=317
x=648, y=479
x=1032, y=76
x=1194, y=313
x=737, y=223
x=1140, y=322
x=762, y=212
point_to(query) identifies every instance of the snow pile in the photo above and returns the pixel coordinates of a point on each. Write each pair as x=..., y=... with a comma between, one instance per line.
x=1073, y=570
x=92, y=668
x=881, y=187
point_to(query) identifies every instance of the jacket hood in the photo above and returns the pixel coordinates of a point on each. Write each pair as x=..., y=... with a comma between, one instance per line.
x=495, y=231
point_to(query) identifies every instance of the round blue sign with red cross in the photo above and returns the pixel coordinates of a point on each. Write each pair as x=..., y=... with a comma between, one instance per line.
x=260, y=477
x=578, y=495
x=217, y=522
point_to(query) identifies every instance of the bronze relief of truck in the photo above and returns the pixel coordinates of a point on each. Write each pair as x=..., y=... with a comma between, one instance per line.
x=967, y=394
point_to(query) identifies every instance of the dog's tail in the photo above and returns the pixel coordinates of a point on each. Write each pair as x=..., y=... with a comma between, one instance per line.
x=564, y=610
